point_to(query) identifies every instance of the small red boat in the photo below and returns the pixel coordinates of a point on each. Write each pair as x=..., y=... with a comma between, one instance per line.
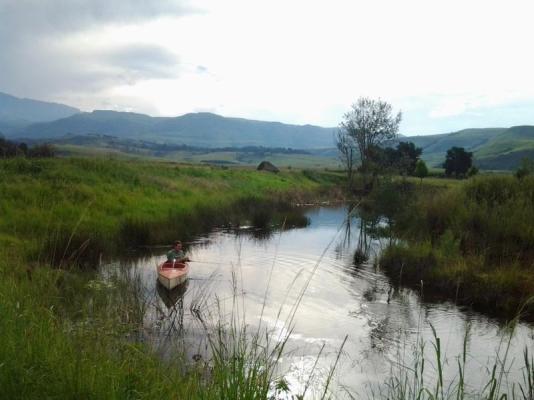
x=172, y=274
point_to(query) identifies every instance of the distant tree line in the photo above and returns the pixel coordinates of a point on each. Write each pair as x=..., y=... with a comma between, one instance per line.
x=405, y=159
x=263, y=150
x=160, y=149
x=10, y=149
x=259, y=150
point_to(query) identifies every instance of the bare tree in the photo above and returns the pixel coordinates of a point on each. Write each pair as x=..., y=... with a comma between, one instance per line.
x=347, y=154
x=370, y=123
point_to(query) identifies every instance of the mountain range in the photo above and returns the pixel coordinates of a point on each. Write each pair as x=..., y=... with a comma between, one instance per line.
x=493, y=148
x=196, y=129
x=16, y=113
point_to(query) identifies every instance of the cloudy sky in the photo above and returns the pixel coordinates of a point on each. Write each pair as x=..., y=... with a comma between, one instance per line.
x=447, y=64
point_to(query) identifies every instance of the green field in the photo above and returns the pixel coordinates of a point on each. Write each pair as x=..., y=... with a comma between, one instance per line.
x=493, y=149
x=229, y=158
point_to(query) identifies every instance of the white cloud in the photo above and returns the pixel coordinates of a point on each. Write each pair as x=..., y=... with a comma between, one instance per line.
x=301, y=61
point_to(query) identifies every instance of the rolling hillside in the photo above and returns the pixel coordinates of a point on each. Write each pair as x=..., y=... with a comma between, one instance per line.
x=493, y=148
x=112, y=146
x=506, y=150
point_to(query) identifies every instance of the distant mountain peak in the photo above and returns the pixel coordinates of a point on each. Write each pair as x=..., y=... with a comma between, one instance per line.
x=25, y=111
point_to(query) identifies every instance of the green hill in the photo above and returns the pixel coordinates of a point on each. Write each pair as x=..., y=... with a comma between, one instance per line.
x=506, y=150
x=493, y=148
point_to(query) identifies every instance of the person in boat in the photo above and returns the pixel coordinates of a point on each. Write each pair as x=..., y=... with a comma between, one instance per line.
x=176, y=254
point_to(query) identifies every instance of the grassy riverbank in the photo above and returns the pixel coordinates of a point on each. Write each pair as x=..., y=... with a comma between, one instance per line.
x=65, y=333
x=473, y=243
x=52, y=209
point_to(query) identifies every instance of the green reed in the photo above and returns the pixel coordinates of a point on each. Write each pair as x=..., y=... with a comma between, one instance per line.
x=474, y=241
x=413, y=380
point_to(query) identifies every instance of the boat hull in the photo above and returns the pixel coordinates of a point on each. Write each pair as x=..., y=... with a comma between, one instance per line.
x=170, y=276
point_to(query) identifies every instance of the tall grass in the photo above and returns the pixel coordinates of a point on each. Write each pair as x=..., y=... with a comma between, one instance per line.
x=474, y=241
x=62, y=338
x=436, y=376
x=72, y=335
x=52, y=209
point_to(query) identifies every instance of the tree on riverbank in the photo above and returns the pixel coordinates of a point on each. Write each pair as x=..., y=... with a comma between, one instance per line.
x=347, y=154
x=368, y=124
x=526, y=168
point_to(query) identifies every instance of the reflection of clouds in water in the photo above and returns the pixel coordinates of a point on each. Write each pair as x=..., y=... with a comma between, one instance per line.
x=305, y=373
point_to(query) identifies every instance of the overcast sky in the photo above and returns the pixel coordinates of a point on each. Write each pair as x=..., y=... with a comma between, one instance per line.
x=446, y=64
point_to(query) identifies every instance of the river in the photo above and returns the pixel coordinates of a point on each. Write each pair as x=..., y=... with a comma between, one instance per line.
x=257, y=278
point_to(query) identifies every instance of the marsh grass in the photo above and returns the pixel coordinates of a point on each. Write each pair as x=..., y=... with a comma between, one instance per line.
x=68, y=343
x=70, y=336
x=475, y=240
x=62, y=210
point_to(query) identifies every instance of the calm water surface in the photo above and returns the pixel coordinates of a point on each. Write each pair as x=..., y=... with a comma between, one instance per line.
x=269, y=272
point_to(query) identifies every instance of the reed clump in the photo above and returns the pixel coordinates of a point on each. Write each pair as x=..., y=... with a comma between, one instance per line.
x=474, y=241
x=76, y=335
x=432, y=375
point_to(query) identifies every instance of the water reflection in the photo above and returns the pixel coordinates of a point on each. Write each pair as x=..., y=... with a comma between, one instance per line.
x=174, y=298
x=344, y=294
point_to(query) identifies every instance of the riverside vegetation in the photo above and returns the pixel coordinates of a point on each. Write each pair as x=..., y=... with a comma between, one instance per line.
x=472, y=241
x=55, y=208
x=65, y=333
